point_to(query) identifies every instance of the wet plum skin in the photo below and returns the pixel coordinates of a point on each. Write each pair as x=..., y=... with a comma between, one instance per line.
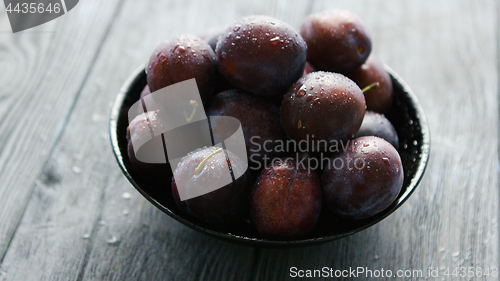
x=261, y=55
x=337, y=40
x=286, y=200
x=326, y=105
x=212, y=38
x=224, y=205
x=357, y=192
x=372, y=71
x=141, y=125
x=375, y=124
x=182, y=58
x=258, y=117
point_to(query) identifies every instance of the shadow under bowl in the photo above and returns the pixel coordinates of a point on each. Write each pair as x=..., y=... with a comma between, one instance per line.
x=406, y=115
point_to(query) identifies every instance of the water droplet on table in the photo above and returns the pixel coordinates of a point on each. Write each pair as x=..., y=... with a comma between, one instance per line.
x=112, y=240
x=126, y=195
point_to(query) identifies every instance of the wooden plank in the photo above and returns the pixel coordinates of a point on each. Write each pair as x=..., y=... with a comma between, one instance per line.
x=78, y=224
x=445, y=50
x=76, y=228
x=42, y=72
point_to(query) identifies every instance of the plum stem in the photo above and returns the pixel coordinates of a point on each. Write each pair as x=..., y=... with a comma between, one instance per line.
x=371, y=86
x=194, y=104
x=200, y=166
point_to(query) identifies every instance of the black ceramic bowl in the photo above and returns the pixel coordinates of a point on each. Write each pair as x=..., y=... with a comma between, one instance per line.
x=406, y=115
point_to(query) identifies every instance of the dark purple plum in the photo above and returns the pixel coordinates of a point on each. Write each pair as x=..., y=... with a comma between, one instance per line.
x=137, y=132
x=203, y=168
x=323, y=106
x=372, y=71
x=260, y=122
x=363, y=180
x=337, y=40
x=212, y=37
x=261, y=55
x=286, y=200
x=375, y=124
x=182, y=58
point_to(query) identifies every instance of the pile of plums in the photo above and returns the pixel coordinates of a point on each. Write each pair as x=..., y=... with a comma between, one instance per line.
x=318, y=86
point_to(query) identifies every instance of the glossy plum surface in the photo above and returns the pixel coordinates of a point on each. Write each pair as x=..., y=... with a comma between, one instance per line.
x=372, y=71
x=182, y=58
x=375, y=124
x=261, y=55
x=363, y=180
x=337, y=40
x=286, y=200
x=137, y=131
x=226, y=204
x=260, y=122
x=324, y=105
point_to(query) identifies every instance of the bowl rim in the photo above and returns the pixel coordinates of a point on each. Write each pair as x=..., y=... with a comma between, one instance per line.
x=422, y=164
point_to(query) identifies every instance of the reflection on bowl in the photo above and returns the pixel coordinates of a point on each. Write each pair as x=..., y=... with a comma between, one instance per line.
x=406, y=115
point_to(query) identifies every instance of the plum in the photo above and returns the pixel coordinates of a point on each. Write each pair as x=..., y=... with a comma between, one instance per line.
x=204, y=168
x=324, y=106
x=139, y=131
x=261, y=55
x=363, y=180
x=286, y=200
x=182, y=58
x=337, y=40
x=260, y=122
x=372, y=71
x=375, y=124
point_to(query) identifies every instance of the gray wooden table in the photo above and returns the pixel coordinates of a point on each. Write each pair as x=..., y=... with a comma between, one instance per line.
x=68, y=213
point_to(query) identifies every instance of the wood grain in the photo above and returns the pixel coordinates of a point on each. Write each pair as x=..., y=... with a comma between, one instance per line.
x=44, y=73
x=84, y=221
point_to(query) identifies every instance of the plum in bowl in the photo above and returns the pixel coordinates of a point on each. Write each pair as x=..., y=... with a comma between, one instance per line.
x=406, y=114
